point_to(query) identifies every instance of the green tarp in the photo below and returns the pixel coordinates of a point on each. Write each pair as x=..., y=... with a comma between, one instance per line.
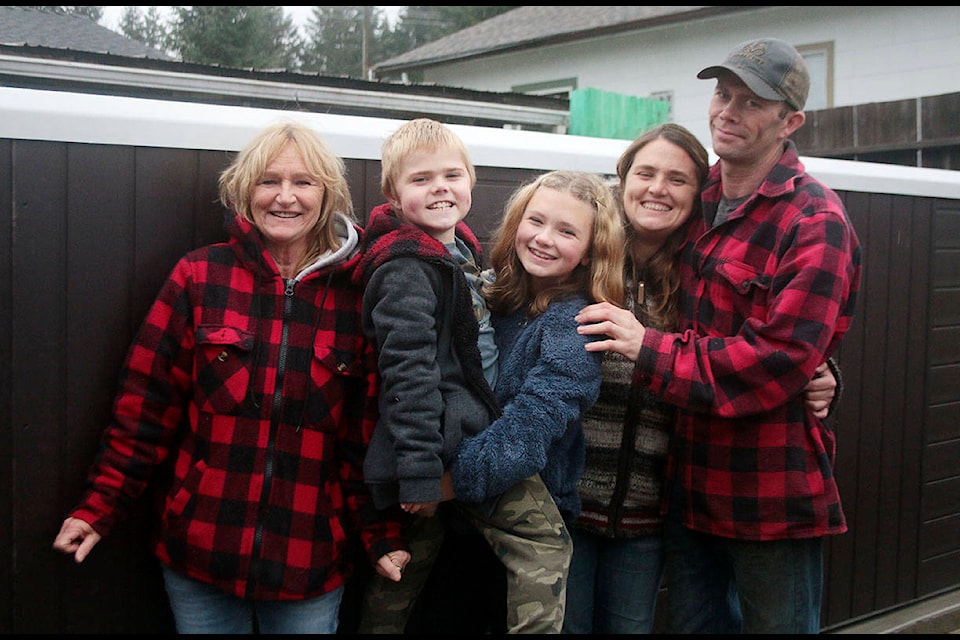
x=604, y=114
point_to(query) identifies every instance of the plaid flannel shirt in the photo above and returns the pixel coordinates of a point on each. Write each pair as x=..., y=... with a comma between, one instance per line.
x=248, y=401
x=767, y=296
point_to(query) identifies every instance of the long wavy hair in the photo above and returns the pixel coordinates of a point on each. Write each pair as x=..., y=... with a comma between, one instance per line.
x=601, y=279
x=661, y=273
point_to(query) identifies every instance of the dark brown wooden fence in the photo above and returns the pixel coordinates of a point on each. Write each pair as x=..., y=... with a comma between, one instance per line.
x=89, y=231
x=914, y=132
x=899, y=422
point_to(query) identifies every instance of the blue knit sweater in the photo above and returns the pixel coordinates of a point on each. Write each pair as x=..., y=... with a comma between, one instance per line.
x=547, y=381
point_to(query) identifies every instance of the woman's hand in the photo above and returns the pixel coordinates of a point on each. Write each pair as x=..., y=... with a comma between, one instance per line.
x=77, y=537
x=819, y=392
x=624, y=332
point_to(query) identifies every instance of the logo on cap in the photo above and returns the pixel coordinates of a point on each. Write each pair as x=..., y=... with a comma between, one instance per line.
x=753, y=51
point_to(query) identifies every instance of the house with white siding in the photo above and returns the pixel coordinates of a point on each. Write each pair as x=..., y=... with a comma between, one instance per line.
x=885, y=79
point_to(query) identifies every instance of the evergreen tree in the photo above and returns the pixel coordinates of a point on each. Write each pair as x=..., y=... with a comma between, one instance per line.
x=336, y=38
x=259, y=37
x=94, y=13
x=423, y=24
x=419, y=25
x=339, y=41
x=335, y=43
x=148, y=28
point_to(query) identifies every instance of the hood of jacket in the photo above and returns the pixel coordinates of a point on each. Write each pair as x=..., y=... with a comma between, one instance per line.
x=386, y=237
x=252, y=252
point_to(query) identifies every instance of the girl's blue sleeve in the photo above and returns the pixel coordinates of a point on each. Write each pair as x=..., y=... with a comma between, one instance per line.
x=563, y=381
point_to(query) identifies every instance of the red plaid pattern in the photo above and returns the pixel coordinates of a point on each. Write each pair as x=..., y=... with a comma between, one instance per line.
x=249, y=404
x=767, y=297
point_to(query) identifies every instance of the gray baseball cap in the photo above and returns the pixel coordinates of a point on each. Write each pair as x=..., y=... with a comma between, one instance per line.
x=770, y=68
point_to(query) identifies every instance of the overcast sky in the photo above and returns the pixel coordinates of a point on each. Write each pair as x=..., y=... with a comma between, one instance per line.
x=300, y=15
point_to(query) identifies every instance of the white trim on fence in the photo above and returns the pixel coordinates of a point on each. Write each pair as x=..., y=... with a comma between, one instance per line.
x=31, y=114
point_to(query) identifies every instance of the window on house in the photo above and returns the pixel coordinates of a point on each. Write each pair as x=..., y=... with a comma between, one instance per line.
x=665, y=96
x=819, y=59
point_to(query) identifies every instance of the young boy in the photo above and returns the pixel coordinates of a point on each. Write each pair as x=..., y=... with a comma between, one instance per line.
x=424, y=312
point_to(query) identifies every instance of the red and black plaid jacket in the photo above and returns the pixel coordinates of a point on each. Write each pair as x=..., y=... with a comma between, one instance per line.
x=248, y=402
x=767, y=296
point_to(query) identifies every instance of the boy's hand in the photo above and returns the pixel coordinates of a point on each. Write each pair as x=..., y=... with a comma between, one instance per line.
x=446, y=486
x=425, y=509
x=390, y=565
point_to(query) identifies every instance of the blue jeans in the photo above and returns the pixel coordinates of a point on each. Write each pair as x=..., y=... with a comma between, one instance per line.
x=613, y=584
x=202, y=608
x=722, y=585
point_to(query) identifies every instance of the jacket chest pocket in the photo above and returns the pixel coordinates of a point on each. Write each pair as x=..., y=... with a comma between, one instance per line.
x=338, y=387
x=750, y=288
x=223, y=360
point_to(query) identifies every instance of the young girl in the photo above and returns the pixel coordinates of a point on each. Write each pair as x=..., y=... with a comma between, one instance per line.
x=424, y=312
x=560, y=246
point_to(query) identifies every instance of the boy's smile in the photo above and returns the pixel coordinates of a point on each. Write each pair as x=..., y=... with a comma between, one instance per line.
x=434, y=192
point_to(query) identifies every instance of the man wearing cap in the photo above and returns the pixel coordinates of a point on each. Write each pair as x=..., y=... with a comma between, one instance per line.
x=769, y=276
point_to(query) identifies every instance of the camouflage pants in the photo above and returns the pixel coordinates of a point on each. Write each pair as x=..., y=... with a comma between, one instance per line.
x=527, y=534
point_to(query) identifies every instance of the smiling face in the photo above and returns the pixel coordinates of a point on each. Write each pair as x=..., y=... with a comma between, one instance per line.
x=285, y=205
x=745, y=128
x=554, y=236
x=659, y=192
x=434, y=191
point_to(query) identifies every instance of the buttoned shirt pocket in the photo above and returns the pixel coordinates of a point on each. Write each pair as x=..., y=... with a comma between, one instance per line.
x=743, y=277
x=338, y=381
x=750, y=292
x=224, y=361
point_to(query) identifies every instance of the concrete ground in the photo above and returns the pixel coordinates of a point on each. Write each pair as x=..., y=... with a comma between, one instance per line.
x=939, y=614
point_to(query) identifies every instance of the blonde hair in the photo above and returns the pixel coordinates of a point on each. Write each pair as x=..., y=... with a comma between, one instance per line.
x=662, y=270
x=421, y=134
x=238, y=181
x=601, y=279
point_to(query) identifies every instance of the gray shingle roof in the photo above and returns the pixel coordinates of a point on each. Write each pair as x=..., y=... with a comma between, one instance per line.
x=33, y=27
x=527, y=26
